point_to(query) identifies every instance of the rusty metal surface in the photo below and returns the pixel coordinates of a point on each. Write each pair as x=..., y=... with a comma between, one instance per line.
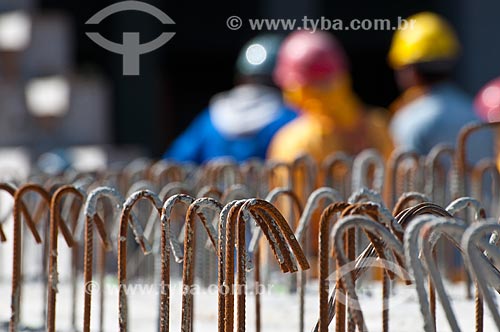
x=205, y=235
x=56, y=222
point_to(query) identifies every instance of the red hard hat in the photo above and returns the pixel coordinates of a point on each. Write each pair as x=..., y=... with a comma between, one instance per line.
x=487, y=102
x=307, y=57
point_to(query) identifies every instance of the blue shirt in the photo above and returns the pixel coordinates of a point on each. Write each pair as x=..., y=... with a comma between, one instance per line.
x=201, y=141
x=437, y=117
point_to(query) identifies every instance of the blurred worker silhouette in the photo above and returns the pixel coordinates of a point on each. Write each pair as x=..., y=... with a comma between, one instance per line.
x=487, y=101
x=487, y=107
x=431, y=109
x=312, y=71
x=239, y=123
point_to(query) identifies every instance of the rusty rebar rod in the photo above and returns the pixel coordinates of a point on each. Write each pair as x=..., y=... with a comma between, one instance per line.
x=167, y=244
x=363, y=162
x=333, y=162
x=235, y=192
x=433, y=181
x=11, y=189
x=277, y=192
x=347, y=279
x=164, y=172
x=324, y=270
x=134, y=171
x=253, y=173
x=279, y=174
x=55, y=222
x=209, y=191
x=304, y=176
x=122, y=249
x=403, y=220
x=460, y=164
x=91, y=218
x=279, y=235
x=323, y=193
x=393, y=164
x=483, y=167
x=411, y=238
x=195, y=209
x=481, y=268
x=406, y=198
x=272, y=197
x=17, y=244
x=230, y=210
x=480, y=214
x=221, y=173
x=453, y=230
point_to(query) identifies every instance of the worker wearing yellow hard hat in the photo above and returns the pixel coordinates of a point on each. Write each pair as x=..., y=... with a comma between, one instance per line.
x=427, y=38
x=431, y=109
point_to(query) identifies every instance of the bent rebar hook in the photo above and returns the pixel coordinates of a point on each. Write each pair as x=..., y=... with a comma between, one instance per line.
x=93, y=218
x=310, y=172
x=370, y=226
x=122, y=248
x=453, y=230
x=431, y=163
x=271, y=198
x=324, y=269
x=402, y=220
x=460, y=164
x=271, y=222
x=11, y=189
x=411, y=245
x=336, y=160
x=17, y=244
x=167, y=244
x=55, y=222
x=479, y=265
x=312, y=204
x=478, y=172
x=461, y=204
x=406, y=198
x=361, y=165
x=396, y=158
x=195, y=209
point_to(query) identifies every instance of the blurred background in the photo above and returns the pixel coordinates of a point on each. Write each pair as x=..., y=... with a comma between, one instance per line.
x=59, y=89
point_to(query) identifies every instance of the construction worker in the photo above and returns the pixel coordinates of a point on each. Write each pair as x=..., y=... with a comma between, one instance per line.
x=431, y=109
x=239, y=123
x=312, y=71
x=487, y=107
x=487, y=101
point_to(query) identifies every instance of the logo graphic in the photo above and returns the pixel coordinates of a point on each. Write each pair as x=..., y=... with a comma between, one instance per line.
x=131, y=49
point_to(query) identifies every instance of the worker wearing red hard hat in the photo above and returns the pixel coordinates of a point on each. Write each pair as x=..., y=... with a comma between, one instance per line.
x=487, y=106
x=312, y=71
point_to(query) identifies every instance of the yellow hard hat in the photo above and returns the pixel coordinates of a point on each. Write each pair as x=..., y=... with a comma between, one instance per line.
x=427, y=37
